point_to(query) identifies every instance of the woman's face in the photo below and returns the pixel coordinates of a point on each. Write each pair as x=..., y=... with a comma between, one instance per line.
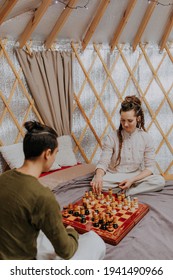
x=128, y=121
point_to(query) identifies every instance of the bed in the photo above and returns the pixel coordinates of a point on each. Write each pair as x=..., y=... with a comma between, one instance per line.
x=150, y=239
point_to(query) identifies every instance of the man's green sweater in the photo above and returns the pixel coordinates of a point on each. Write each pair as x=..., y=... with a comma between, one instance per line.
x=25, y=208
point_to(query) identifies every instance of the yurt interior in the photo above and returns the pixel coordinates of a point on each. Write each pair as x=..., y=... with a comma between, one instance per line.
x=70, y=64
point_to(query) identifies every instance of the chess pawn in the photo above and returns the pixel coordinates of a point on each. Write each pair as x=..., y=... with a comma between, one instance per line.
x=96, y=222
x=91, y=197
x=85, y=205
x=90, y=193
x=100, y=218
x=103, y=225
x=76, y=211
x=107, y=199
x=119, y=197
x=88, y=206
x=132, y=207
x=96, y=208
x=70, y=208
x=129, y=201
x=116, y=203
x=104, y=215
x=112, y=204
x=102, y=201
x=99, y=196
x=107, y=219
x=114, y=211
x=86, y=195
x=136, y=204
x=110, y=218
x=65, y=213
x=115, y=222
x=125, y=206
x=110, y=193
x=108, y=209
x=120, y=206
x=95, y=216
x=110, y=228
x=87, y=212
x=82, y=211
x=125, y=201
x=93, y=202
x=83, y=219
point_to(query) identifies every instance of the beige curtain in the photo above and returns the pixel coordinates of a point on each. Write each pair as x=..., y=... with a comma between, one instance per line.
x=49, y=77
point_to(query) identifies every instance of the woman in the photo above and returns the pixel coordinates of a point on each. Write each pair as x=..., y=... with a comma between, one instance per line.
x=127, y=162
x=27, y=208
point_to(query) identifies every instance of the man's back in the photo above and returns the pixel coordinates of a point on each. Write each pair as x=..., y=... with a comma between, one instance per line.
x=18, y=198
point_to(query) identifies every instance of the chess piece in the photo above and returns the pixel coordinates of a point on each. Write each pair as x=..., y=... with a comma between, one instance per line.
x=76, y=211
x=65, y=213
x=70, y=208
x=110, y=228
x=83, y=219
x=136, y=205
x=96, y=222
x=115, y=222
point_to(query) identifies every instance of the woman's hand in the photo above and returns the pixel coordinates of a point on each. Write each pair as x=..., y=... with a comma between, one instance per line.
x=97, y=184
x=126, y=184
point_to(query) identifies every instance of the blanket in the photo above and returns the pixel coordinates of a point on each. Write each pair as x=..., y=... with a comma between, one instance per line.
x=150, y=239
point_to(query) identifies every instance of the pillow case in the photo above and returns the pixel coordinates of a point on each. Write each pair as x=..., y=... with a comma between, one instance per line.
x=14, y=156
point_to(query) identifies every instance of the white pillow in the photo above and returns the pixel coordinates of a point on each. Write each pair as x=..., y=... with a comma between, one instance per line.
x=65, y=155
x=14, y=156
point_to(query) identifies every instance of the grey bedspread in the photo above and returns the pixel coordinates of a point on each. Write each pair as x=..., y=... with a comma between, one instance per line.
x=151, y=238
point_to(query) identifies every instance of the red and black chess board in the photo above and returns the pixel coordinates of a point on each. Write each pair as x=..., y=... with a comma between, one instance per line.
x=110, y=215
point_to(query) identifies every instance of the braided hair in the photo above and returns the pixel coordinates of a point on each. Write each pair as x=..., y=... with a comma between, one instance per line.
x=130, y=103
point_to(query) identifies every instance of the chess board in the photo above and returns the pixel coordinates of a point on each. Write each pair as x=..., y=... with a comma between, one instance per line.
x=117, y=219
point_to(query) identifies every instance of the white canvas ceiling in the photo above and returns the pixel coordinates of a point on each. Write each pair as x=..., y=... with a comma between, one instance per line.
x=76, y=25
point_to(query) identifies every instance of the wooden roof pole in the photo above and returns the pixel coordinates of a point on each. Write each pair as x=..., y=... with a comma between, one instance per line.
x=167, y=31
x=34, y=22
x=144, y=23
x=60, y=23
x=102, y=8
x=122, y=23
x=6, y=9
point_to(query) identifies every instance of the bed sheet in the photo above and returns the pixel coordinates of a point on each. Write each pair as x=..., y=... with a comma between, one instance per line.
x=150, y=239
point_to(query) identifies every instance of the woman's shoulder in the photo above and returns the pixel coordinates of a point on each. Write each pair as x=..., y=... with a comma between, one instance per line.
x=145, y=135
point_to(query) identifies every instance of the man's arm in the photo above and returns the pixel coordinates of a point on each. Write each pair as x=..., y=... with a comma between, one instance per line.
x=64, y=240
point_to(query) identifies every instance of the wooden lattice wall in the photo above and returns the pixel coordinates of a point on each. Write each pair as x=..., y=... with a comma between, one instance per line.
x=147, y=73
x=17, y=86
x=98, y=91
